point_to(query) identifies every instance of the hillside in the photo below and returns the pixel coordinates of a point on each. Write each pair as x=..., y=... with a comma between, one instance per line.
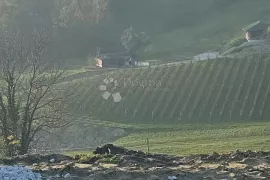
x=208, y=91
x=188, y=27
x=176, y=27
x=213, y=91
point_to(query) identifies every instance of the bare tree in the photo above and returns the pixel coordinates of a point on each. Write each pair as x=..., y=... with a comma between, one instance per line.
x=30, y=98
x=81, y=10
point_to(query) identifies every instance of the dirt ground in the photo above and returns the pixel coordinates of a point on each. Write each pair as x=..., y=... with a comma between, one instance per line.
x=135, y=165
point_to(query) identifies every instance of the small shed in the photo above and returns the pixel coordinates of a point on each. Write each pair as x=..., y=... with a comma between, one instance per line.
x=256, y=31
x=112, y=60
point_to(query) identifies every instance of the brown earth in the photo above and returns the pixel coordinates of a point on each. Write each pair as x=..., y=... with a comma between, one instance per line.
x=132, y=165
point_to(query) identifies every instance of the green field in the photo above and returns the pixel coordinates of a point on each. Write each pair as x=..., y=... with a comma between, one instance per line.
x=196, y=139
x=206, y=139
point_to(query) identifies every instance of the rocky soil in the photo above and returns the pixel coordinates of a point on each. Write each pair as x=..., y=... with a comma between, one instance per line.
x=132, y=165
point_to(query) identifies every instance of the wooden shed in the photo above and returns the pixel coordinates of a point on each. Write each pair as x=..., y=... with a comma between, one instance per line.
x=112, y=60
x=256, y=31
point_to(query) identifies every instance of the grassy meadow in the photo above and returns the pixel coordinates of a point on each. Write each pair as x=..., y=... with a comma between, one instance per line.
x=205, y=139
x=195, y=139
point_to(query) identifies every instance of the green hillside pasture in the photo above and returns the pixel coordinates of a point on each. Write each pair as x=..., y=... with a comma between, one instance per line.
x=209, y=91
x=193, y=139
x=204, y=139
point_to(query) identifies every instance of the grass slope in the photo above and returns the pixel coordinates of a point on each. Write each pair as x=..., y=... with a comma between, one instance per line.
x=192, y=139
x=215, y=22
x=204, y=139
x=202, y=92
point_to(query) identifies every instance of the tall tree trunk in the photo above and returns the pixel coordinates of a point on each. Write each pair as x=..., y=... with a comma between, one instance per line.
x=24, y=146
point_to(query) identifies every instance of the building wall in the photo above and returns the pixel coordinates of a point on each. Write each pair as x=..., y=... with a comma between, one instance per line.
x=113, y=63
x=255, y=35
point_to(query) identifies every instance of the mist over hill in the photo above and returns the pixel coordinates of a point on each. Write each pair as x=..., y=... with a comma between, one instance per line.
x=184, y=27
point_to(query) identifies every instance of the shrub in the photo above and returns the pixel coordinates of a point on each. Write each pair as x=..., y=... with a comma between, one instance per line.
x=236, y=42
